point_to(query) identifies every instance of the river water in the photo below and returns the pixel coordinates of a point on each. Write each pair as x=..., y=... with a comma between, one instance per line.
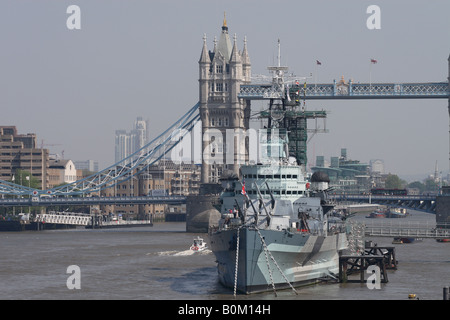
x=155, y=263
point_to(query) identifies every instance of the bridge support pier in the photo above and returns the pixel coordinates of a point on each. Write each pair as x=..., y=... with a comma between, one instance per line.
x=201, y=210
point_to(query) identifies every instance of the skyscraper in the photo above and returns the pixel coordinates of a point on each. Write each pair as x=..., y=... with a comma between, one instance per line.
x=127, y=143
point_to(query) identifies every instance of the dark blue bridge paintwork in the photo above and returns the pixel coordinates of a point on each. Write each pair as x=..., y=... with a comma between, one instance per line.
x=425, y=203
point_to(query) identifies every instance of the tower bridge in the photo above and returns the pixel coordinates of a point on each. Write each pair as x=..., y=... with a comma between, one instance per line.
x=225, y=95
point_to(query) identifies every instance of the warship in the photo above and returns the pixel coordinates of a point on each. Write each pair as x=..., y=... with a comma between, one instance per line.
x=274, y=231
x=276, y=228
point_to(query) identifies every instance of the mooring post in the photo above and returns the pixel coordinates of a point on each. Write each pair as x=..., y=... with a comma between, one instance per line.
x=342, y=270
x=362, y=269
x=446, y=295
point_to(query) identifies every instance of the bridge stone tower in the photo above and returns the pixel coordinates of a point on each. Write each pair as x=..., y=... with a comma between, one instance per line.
x=225, y=117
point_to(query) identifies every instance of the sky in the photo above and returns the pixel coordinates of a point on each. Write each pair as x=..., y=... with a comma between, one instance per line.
x=74, y=87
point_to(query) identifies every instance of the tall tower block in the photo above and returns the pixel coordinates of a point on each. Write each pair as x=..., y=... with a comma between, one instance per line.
x=223, y=114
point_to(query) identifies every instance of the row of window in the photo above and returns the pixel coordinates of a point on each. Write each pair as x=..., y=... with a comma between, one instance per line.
x=22, y=154
x=270, y=176
x=219, y=69
x=275, y=192
x=220, y=122
x=219, y=87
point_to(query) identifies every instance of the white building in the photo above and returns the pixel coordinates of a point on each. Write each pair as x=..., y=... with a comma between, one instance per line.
x=60, y=172
x=377, y=165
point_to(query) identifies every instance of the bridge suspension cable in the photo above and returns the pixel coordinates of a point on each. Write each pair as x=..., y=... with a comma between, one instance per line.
x=122, y=170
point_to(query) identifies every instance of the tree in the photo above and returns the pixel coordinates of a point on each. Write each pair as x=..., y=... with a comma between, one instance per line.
x=417, y=185
x=24, y=178
x=394, y=182
x=431, y=185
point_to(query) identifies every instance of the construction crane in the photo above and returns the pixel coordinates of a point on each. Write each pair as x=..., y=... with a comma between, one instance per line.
x=48, y=145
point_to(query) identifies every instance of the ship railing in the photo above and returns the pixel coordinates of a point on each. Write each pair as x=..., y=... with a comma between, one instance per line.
x=337, y=226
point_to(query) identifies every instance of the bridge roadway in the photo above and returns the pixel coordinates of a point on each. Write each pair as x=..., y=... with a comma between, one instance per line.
x=419, y=203
x=425, y=203
x=81, y=201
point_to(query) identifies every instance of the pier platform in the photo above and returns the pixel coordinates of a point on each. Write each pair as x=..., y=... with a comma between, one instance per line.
x=350, y=264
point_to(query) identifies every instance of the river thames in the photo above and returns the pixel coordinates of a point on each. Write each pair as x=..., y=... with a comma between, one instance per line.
x=156, y=263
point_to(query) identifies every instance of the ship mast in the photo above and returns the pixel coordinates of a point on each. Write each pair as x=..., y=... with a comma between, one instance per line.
x=286, y=111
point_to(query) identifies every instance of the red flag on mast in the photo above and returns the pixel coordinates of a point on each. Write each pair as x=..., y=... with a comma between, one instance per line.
x=373, y=61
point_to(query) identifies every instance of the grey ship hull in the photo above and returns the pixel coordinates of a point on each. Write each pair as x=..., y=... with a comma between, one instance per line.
x=302, y=257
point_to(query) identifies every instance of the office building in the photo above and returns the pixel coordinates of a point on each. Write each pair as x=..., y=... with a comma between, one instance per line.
x=19, y=152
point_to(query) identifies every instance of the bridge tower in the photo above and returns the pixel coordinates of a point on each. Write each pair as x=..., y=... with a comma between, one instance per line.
x=223, y=114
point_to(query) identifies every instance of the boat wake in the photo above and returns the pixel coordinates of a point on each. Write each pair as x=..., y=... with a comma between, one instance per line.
x=187, y=252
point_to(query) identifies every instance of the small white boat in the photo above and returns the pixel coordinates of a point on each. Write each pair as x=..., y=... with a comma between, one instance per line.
x=198, y=245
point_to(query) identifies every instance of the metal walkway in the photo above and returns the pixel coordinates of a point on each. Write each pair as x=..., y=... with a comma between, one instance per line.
x=349, y=90
x=78, y=201
x=422, y=203
x=64, y=218
x=409, y=230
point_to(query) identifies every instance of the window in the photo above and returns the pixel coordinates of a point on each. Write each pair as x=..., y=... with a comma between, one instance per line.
x=219, y=68
x=219, y=87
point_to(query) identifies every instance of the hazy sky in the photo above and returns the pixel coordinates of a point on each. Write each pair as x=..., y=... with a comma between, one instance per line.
x=74, y=88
